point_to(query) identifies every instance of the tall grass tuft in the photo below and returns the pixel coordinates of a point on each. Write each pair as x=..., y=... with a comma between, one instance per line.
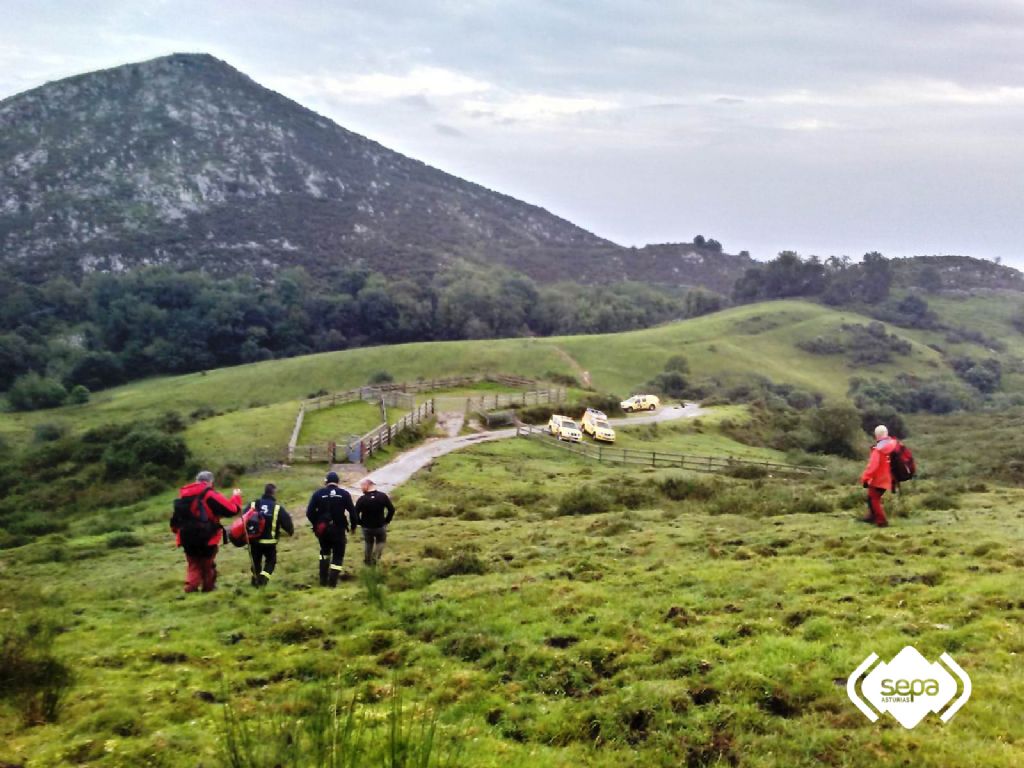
x=30, y=675
x=332, y=734
x=373, y=582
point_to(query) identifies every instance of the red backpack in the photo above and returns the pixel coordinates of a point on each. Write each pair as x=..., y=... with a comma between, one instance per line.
x=252, y=525
x=902, y=464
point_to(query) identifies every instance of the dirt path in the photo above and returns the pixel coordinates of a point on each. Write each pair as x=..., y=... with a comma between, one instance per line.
x=582, y=375
x=450, y=422
x=398, y=471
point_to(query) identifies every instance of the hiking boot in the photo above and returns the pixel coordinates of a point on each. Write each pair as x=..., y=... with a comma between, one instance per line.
x=324, y=566
x=332, y=578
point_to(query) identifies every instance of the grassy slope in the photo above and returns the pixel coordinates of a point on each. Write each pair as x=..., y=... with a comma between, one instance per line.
x=665, y=636
x=736, y=342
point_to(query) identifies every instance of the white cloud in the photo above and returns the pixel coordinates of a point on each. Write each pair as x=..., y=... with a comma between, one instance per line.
x=420, y=81
x=530, y=107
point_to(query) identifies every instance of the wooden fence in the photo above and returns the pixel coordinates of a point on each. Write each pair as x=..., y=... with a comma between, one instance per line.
x=384, y=435
x=500, y=400
x=402, y=395
x=659, y=459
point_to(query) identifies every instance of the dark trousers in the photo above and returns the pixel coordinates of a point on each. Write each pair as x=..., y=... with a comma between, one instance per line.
x=332, y=554
x=264, y=560
x=201, y=570
x=373, y=544
x=875, y=509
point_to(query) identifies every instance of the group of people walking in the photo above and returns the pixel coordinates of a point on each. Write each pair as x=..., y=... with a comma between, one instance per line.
x=200, y=509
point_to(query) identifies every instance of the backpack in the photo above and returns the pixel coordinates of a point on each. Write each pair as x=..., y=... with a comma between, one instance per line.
x=251, y=526
x=194, y=522
x=902, y=464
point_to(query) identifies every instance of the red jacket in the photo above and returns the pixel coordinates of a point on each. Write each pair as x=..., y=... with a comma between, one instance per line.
x=878, y=473
x=216, y=505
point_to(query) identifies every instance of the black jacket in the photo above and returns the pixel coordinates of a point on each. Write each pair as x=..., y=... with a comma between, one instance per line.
x=284, y=520
x=330, y=504
x=374, y=510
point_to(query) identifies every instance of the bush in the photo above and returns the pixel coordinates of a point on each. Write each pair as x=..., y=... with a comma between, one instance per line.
x=78, y=395
x=540, y=413
x=461, y=564
x=680, y=488
x=380, y=377
x=30, y=675
x=835, y=429
x=48, y=432
x=145, y=451
x=33, y=392
x=565, y=379
x=585, y=500
x=602, y=402
x=124, y=541
x=678, y=364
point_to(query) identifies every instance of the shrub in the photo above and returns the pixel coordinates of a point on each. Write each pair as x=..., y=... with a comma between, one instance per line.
x=680, y=488
x=30, y=675
x=585, y=500
x=380, y=377
x=48, y=432
x=32, y=392
x=145, y=451
x=834, y=429
x=565, y=379
x=461, y=564
x=78, y=395
x=124, y=540
x=677, y=363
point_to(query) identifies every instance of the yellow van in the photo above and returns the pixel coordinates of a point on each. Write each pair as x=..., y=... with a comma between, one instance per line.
x=640, y=403
x=595, y=423
x=565, y=428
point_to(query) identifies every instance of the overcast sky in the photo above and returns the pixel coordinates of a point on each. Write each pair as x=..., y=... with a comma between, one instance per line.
x=826, y=127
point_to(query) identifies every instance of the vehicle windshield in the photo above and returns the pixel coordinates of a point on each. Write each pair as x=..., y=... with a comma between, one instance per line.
x=601, y=424
x=569, y=424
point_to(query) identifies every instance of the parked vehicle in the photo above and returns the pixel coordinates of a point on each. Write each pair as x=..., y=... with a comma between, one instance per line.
x=640, y=403
x=564, y=428
x=595, y=423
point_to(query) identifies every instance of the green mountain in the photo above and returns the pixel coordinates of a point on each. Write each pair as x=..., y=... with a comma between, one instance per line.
x=185, y=161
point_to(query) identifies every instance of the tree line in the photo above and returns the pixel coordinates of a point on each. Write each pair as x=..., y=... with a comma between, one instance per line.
x=61, y=340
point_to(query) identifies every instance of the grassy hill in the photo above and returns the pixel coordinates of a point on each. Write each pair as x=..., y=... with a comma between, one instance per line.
x=536, y=608
x=757, y=339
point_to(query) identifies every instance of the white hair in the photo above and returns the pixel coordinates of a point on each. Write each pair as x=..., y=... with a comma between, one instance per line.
x=206, y=476
x=881, y=431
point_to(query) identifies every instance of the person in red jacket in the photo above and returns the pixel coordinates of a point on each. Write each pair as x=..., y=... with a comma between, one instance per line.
x=197, y=528
x=877, y=476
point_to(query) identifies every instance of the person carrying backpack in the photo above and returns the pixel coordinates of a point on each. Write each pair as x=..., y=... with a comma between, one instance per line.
x=197, y=528
x=259, y=529
x=374, y=512
x=877, y=476
x=326, y=512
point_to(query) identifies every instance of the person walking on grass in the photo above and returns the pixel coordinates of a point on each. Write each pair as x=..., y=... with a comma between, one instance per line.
x=197, y=528
x=877, y=476
x=269, y=519
x=374, y=512
x=331, y=514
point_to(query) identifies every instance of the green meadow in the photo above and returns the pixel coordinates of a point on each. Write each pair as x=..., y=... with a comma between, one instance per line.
x=534, y=608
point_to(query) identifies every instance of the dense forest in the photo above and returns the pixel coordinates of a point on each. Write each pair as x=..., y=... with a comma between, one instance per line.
x=59, y=340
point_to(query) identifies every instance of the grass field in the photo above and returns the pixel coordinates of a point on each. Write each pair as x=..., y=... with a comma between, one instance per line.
x=699, y=631
x=540, y=608
x=341, y=421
